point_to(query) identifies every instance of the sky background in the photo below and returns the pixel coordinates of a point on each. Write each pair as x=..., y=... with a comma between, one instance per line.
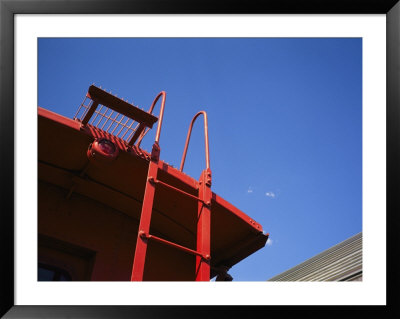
x=285, y=125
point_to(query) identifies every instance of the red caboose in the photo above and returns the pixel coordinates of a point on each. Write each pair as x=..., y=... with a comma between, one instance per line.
x=110, y=211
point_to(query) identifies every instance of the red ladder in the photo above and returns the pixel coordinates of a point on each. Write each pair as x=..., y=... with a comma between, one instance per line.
x=202, y=251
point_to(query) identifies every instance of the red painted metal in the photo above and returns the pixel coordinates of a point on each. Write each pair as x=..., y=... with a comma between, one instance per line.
x=89, y=113
x=203, y=226
x=138, y=132
x=120, y=109
x=148, y=200
x=204, y=206
x=170, y=243
x=144, y=225
x=205, y=137
x=163, y=94
x=241, y=236
x=104, y=98
x=176, y=189
x=59, y=119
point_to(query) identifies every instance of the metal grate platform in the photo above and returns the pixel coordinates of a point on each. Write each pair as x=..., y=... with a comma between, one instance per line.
x=108, y=120
x=113, y=115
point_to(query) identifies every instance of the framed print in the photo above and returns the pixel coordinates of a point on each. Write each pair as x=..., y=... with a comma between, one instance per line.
x=333, y=64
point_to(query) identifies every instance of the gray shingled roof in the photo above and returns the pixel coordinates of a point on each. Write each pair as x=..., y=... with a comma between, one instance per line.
x=338, y=263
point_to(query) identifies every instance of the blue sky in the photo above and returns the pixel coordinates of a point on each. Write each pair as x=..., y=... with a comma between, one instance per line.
x=285, y=124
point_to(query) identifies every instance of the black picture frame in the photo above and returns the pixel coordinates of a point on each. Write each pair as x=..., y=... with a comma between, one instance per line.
x=8, y=10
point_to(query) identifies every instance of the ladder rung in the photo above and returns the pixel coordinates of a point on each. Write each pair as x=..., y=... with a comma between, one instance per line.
x=156, y=181
x=167, y=242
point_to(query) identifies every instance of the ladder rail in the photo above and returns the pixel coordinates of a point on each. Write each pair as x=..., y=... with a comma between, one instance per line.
x=148, y=199
x=207, y=149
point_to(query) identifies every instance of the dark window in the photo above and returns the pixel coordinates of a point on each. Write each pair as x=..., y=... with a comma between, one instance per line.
x=51, y=273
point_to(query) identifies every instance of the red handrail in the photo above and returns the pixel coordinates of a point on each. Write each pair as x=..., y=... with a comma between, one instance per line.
x=160, y=118
x=205, y=137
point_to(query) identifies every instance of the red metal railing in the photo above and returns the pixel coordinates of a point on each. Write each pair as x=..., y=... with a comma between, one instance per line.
x=115, y=115
x=163, y=94
x=207, y=151
x=107, y=120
